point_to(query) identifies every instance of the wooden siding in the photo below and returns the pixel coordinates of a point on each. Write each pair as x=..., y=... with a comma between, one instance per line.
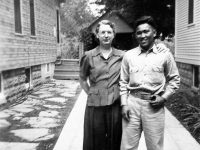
x=24, y=50
x=187, y=37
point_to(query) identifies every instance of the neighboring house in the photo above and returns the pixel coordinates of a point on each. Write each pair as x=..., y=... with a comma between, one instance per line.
x=121, y=25
x=187, y=43
x=29, y=44
x=124, y=32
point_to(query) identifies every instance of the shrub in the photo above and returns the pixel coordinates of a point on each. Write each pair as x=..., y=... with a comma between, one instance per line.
x=182, y=105
x=192, y=120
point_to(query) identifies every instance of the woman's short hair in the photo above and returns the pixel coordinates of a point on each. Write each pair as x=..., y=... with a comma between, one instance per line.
x=105, y=22
x=145, y=19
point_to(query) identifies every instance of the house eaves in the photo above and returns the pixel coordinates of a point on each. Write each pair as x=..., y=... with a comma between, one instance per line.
x=61, y=1
x=121, y=25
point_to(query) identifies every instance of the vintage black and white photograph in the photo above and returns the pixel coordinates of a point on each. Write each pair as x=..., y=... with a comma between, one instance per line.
x=99, y=74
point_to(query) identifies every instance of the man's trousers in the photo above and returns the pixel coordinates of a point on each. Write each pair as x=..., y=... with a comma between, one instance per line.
x=143, y=117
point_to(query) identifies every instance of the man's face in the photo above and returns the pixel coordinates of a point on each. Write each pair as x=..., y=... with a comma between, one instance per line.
x=145, y=34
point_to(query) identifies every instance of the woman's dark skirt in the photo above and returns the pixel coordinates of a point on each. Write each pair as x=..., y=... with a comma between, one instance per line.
x=103, y=127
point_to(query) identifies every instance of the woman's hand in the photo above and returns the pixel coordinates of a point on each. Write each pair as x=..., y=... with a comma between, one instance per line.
x=162, y=48
x=84, y=85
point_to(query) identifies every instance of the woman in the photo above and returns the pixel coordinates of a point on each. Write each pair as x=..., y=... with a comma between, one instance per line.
x=102, y=122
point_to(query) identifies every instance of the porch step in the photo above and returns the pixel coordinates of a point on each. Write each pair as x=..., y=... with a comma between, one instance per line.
x=66, y=77
x=67, y=73
x=67, y=69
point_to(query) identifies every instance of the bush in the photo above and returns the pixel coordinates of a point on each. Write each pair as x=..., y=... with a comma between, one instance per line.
x=88, y=40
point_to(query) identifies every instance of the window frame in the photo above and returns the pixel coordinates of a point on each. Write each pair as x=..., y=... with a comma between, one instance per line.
x=195, y=77
x=21, y=18
x=34, y=23
x=29, y=84
x=1, y=82
x=48, y=68
x=57, y=26
x=191, y=12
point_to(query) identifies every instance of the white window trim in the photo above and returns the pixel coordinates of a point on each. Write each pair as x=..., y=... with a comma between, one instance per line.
x=34, y=36
x=193, y=23
x=22, y=20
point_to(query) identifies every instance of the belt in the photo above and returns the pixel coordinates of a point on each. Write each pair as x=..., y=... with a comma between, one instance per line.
x=144, y=95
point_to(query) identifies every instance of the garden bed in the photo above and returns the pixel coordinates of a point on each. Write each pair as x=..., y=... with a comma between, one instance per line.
x=186, y=108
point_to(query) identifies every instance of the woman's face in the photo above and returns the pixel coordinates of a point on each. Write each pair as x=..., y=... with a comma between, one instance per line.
x=105, y=35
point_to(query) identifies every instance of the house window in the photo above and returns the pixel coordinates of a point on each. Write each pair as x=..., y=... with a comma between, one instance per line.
x=18, y=21
x=58, y=26
x=0, y=84
x=28, y=77
x=196, y=76
x=191, y=12
x=32, y=17
x=48, y=68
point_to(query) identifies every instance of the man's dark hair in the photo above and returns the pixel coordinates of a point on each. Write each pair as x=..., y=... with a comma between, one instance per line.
x=145, y=19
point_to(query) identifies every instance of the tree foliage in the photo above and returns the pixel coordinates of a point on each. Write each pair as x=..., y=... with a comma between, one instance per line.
x=163, y=11
x=75, y=15
x=75, y=18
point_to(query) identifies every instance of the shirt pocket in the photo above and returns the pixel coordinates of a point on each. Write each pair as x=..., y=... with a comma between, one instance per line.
x=157, y=75
x=157, y=68
x=134, y=76
x=134, y=69
x=93, y=97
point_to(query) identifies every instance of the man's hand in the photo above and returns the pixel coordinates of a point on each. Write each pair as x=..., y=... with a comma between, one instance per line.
x=162, y=48
x=157, y=101
x=126, y=112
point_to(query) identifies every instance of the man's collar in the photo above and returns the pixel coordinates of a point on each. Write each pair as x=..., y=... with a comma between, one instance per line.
x=153, y=49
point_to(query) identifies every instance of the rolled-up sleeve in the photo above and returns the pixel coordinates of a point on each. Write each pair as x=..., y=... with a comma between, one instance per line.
x=172, y=76
x=84, y=67
x=124, y=80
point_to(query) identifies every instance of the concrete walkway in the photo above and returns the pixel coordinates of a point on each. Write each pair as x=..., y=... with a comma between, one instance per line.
x=71, y=137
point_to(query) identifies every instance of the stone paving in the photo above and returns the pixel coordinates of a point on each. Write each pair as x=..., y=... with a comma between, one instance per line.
x=38, y=120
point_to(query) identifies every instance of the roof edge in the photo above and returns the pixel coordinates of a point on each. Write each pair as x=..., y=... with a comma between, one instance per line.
x=61, y=1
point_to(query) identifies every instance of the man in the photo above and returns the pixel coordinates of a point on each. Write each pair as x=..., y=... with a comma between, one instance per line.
x=148, y=79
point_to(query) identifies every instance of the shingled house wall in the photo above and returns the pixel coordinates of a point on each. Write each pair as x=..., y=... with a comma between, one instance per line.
x=21, y=51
